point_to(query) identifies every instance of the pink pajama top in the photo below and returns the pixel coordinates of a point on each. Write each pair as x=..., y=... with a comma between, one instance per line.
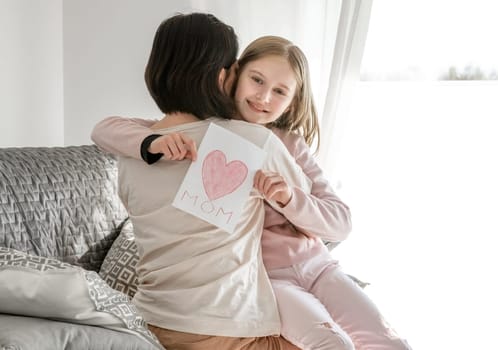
x=288, y=238
x=309, y=218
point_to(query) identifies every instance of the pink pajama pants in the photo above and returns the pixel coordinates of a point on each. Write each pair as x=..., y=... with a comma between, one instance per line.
x=321, y=308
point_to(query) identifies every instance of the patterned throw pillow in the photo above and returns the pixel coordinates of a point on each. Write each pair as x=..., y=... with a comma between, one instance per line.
x=118, y=268
x=48, y=288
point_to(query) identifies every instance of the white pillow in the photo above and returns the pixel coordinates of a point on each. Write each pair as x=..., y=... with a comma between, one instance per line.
x=48, y=288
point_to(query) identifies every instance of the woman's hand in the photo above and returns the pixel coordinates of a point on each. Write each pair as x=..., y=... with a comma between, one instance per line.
x=175, y=146
x=273, y=187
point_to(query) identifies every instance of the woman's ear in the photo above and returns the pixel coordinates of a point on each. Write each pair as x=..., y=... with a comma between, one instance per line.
x=221, y=79
x=231, y=78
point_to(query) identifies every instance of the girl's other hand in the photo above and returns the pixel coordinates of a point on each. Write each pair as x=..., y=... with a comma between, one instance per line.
x=175, y=146
x=273, y=187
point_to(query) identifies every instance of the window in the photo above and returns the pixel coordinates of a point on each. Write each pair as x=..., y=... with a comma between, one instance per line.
x=419, y=168
x=431, y=40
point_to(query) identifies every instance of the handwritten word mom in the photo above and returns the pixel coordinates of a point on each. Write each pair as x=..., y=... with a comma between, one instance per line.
x=206, y=206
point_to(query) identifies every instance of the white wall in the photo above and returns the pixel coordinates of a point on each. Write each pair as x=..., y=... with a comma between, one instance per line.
x=31, y=90
x=106, y=46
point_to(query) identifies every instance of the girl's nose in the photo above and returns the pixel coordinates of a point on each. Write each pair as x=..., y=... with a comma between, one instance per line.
x=263, y=95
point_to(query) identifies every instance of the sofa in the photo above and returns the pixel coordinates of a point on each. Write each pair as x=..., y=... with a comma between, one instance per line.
x=59, y=217
x=67, y=253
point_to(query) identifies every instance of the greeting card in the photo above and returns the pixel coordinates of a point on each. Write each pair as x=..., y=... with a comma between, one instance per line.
x=217, y=184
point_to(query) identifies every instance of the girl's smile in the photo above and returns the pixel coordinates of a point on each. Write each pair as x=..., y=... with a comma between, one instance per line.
x=258, y=108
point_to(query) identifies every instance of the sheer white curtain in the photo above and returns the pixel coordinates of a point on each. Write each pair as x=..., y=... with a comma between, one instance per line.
x=345, y=71
x=330, y=32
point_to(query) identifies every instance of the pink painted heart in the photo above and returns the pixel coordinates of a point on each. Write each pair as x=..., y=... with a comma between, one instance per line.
x=220, y=178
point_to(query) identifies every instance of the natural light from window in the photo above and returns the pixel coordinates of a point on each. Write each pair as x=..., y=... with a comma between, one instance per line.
x=424, y=40
x=419, y=168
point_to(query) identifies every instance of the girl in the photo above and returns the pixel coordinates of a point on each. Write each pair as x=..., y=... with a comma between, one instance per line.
x=320, y=306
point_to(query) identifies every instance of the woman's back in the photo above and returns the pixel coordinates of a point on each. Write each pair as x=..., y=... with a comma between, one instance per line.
x=195, y=277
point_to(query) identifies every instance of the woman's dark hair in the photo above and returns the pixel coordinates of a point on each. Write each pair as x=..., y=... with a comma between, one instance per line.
x=187, y=56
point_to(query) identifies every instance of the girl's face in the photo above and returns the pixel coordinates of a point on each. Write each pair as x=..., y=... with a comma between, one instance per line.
x=265, y=89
